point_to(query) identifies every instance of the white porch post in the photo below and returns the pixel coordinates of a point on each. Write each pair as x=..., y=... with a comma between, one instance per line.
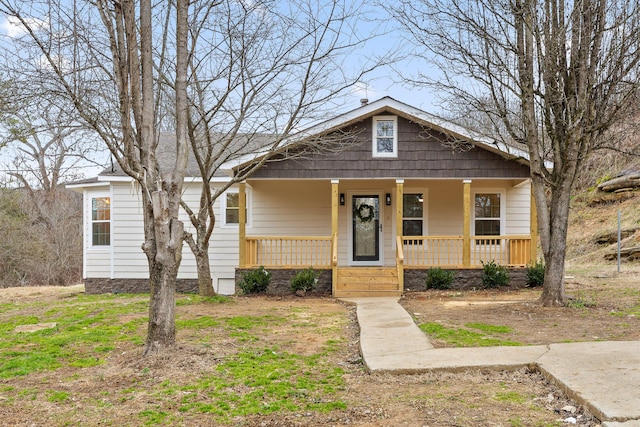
x=466, y=227
x=399, y=206
x=399, y=215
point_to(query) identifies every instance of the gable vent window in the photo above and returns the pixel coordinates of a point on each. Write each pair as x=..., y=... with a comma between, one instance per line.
x=385, y=136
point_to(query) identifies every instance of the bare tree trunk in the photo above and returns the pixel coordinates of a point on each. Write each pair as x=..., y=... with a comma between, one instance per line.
x=205, y=283
x=200, y=250
x=163, y=271
x=553, y=292
x=168, y=229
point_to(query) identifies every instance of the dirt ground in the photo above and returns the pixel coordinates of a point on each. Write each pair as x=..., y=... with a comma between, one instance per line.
x=604, y=307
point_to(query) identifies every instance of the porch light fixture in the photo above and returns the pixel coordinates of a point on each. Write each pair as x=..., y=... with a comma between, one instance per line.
x=420, y=198
x=341, y=199
x=387, y=199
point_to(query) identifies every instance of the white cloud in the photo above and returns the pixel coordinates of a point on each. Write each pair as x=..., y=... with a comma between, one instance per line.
x=13, y=28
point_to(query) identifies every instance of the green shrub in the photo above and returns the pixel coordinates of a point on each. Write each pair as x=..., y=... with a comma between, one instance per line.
x=494, y=275
x=255, y=281
x=437, y=278
x=304, y=280
x=535, y=274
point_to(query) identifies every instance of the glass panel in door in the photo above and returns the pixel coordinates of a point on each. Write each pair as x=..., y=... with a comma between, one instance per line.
x=366, y=223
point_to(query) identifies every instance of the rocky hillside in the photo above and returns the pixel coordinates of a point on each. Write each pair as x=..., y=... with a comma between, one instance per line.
x=593, y=223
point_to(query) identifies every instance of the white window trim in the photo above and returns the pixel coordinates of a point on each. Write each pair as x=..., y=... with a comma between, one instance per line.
x=425, y=207
x=503, y=207
x=223, y=208
x=374, y=137
x=89, y=221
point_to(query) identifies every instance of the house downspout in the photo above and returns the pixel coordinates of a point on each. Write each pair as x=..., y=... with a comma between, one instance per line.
x=533, y=223
x=242, y=224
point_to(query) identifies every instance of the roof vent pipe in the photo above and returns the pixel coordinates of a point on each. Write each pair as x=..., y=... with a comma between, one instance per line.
x=364, y=101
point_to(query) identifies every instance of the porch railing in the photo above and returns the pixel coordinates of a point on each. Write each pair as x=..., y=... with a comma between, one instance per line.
x=411, y=252
x=446, y=251
x=504, y=250
x=288, y=252
x=432, y=251
x=400, y=262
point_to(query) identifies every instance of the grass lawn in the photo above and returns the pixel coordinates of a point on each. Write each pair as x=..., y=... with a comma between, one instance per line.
x=240, y=361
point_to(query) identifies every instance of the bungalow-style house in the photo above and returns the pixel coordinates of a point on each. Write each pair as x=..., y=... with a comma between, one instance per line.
x=409, y=192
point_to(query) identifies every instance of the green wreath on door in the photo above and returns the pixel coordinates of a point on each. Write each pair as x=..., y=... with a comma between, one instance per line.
x=364, y=212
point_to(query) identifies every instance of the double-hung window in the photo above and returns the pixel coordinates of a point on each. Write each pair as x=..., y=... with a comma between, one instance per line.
x=385, y=136
x=230, y=206
x=488, y=213
x=412, y=216
x=100, y=221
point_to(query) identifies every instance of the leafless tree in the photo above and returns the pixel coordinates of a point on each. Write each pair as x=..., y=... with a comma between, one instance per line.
x=126, y=66
x=100, y=58
x=550, y=76
x=43, y=147
x=258, y=71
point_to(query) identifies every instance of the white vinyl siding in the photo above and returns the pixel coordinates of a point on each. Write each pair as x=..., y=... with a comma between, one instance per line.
x=518, y=210
x=127, y=237
x=445, y=208
x=97, y=260
x=128, y=233
x=291, y=208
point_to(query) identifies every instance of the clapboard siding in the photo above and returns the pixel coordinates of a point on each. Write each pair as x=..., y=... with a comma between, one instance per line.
x=97, y=263
x=445, y=206
x=420, y=155
x=291, y=208
x=127, y=235
x=518, y=210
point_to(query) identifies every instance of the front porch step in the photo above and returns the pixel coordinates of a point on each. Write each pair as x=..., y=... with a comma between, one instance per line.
x=366, y=282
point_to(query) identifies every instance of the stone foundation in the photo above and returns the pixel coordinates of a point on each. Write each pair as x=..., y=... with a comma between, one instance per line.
x=413, y=280
x=133, y=286
x=464, y=279
x=281, y=281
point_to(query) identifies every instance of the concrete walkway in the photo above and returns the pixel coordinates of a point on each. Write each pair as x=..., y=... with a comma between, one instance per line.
x=602, y=376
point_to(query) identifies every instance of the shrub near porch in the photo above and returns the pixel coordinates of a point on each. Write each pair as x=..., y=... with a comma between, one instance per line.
x=465, y=279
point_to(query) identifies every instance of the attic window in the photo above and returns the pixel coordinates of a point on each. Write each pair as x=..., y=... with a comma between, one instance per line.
x=385, y=136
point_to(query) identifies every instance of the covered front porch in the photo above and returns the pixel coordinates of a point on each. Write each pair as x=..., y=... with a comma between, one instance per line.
x=368, y=232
